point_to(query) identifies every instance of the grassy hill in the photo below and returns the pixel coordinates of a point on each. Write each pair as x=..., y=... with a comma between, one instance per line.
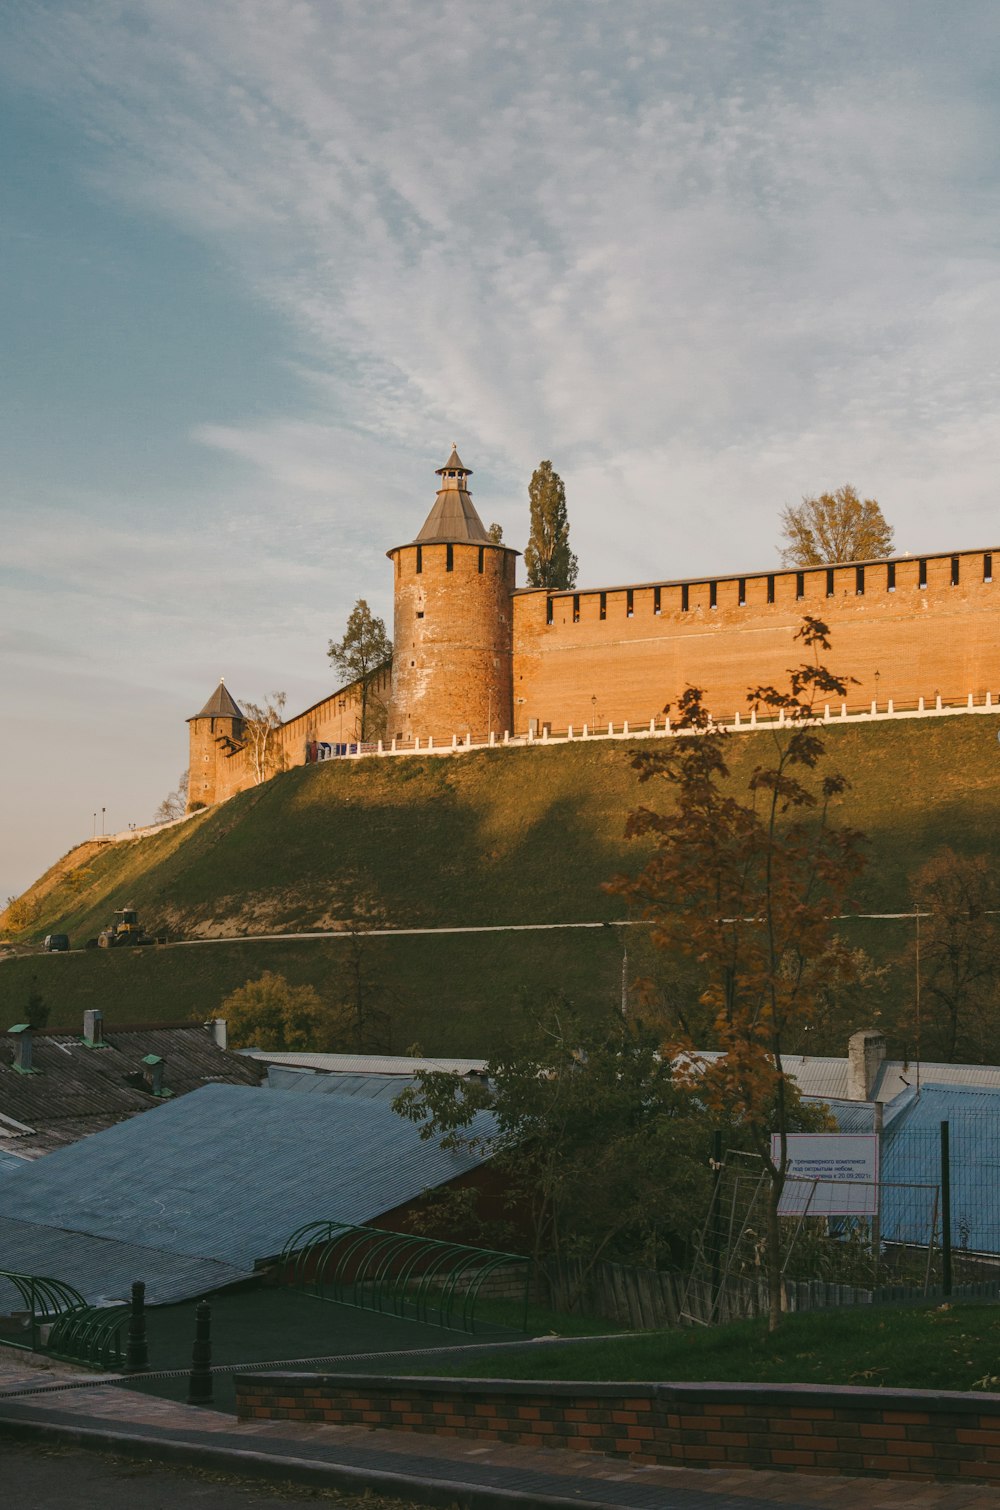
x=505, y=836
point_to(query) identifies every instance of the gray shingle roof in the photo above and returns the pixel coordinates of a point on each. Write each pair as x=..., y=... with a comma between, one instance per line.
x=80, y=1090
x=225, y=1175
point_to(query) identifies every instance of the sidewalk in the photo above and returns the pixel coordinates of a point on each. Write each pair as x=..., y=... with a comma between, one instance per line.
x=444, y=1471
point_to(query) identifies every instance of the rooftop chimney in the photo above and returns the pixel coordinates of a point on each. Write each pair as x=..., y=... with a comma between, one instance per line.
x=865, y=1053
x=22, y=1035
x=93, y=1029
x=219, y=1029
x=154, y=1074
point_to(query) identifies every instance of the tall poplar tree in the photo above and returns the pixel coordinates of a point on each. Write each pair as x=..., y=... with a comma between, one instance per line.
x=547, y=556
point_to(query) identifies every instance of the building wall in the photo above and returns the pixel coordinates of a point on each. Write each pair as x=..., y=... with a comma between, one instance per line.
x=942, y=638
x=217, y=772
x=452, y=641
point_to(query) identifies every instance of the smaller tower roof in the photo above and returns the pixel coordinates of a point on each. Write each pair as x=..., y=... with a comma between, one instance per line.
x=221, y=704
x=454, y=464
x=453, y=517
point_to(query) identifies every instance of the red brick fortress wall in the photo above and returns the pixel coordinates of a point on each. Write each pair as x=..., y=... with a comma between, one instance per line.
x=451, y=669
x=909, y=628
x=898, y=1434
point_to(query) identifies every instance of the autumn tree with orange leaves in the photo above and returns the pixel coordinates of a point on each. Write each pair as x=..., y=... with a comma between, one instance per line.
x=748, y=885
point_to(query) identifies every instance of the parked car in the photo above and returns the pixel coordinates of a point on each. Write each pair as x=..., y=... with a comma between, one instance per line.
x=56, y=943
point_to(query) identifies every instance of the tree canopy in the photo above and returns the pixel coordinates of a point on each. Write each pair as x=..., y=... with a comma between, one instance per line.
x=261, y=726
x=270, y=1013
x=836, y=526
x=749, y=886
x=359, y=657
x=956, y=955
x=547, y=556
x=600, y=1148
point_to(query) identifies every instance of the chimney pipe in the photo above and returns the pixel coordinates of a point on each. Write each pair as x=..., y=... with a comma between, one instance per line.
x=220, y=1032
x=865, y=1053
x=154, y=1074
x=22, y=1035
x=93, y=1029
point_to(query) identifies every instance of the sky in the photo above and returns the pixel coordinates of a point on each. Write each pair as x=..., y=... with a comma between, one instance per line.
x=263, y=261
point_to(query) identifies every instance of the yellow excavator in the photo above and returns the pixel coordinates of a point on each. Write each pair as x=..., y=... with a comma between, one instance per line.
x=125, y=929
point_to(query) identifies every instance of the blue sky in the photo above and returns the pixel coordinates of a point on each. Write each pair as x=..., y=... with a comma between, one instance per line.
x=264, y=260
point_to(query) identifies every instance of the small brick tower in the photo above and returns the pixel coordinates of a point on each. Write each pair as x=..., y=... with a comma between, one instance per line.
x=452, y=644
x=213, y=733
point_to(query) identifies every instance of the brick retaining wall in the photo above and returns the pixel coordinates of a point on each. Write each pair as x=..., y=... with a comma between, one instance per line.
x=899, y=1434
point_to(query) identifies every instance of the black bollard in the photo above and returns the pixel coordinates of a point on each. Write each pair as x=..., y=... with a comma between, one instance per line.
x=137, y=1354
x=200, y=1382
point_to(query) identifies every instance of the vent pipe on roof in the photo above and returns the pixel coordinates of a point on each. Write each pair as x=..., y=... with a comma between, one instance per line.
x=865, y=1053
x=219, y=1029
x=93, y=1029
x=154, y=1074
x=22, y=1035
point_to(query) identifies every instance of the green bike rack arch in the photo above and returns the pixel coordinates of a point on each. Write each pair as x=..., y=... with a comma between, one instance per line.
x=56, y=1319
x=397, y=1273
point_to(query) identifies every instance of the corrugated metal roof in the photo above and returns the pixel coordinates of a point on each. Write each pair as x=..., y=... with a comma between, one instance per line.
x=911, y=1156
x=375, y=1087
x=9, y=1161
x=898, y=1074
x=80, y=1090
x=366, y=1064
x=229, y=1172
x=103, y=1270
x=827, y=1077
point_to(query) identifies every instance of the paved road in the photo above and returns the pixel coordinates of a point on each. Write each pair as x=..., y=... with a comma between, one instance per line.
x=56, y=1478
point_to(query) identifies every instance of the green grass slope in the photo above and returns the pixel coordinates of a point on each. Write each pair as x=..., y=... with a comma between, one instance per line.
x=494, y=837
x=940, y=1347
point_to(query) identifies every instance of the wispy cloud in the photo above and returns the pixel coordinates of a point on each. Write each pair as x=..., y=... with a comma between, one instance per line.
x=585, y=232
x=704, y=255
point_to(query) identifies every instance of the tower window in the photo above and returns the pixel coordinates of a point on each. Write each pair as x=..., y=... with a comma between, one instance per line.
x=420, y=559
x=830, y=589
x=713, y=594
x=576, y=608
x=890, y=576
x=685, y=597
x=954, y=571
x=922, y=572
x=604, y=605
x=482, y=558
x=800, y=584
x=548, y=610
x=988, y=567
x=656, y=600
x=741, y=592
x=629, y=603
x=449, y=564
x=770, y=587
x=859, y=581
x=420, y=613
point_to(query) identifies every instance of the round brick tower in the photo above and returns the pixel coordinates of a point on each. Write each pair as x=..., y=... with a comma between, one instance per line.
x=452, y=644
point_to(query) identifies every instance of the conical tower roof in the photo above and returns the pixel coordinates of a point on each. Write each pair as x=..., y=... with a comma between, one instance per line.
x=221, y=704
x=453, y=518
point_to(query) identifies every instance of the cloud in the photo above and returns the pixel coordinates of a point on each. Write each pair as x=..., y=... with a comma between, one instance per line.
x=653, y=231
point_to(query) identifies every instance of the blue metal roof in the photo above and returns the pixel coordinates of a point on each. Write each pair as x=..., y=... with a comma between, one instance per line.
x=375, y=1087
x=225, y=1174
x=9, y=1161
x=911, y=1157
x=103, y=1270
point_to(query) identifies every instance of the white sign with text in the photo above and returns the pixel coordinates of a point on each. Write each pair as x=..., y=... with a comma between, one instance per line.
x=844, y=1167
